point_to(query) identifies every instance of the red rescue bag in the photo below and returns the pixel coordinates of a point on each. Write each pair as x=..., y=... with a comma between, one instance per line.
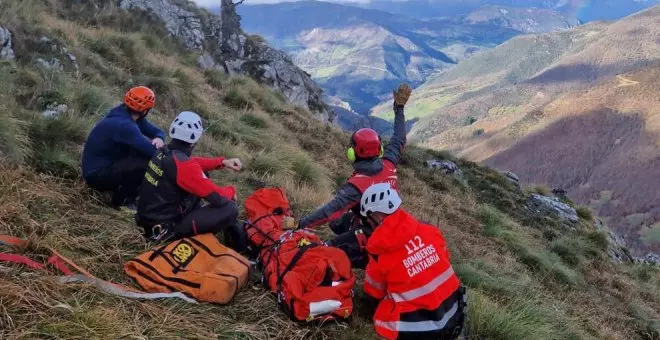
x=311, y=280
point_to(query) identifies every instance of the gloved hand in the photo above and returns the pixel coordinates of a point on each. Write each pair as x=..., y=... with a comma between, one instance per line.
x=402, y=94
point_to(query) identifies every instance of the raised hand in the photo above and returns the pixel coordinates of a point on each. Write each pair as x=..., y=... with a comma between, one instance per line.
x=402, y=94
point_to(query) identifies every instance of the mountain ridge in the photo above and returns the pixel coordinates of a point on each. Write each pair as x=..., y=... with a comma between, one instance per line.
x=597, y=70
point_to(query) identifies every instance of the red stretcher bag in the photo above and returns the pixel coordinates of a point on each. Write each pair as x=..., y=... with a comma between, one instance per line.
x=311, y=280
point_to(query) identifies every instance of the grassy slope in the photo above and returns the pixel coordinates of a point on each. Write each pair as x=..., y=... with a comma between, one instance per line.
x=529, y=278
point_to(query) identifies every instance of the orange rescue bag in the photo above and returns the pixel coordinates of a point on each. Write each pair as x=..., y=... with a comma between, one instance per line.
x=312, y=281
x=200, y=267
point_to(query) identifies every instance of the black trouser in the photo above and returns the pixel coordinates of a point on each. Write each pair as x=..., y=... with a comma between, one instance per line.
x=122, y=178
x=213, y=219
x=351, y=238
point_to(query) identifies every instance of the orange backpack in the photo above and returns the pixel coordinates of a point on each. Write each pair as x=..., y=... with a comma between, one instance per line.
x=311, y=280
x=200, y=267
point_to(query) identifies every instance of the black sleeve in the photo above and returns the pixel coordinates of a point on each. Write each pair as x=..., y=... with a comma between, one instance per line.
x=394, y=150
x=347, y=197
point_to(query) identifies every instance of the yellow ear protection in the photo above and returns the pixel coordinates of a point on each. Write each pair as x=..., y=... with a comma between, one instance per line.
x=352, y=156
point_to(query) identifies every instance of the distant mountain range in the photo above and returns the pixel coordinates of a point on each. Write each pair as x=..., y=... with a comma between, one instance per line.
x=577, y=109
x=358, y=55
x=359, y=52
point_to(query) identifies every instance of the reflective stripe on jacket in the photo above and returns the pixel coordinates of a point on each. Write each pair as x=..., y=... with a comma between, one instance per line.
x=411, y=273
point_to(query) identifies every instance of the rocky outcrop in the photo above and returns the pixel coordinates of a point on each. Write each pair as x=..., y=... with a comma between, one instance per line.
x=6, y=50
x=181, y=23
x=54, y=110
x=50, y=54
x=447, y=167
x=650, y=258
x=617, y=249
x=513, y=178
x=224, y=45
x=552, y=205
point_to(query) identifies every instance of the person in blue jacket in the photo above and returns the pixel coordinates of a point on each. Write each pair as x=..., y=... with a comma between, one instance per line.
x=120, y=146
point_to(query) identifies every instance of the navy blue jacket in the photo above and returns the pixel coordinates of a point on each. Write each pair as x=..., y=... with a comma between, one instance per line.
x=115, y=137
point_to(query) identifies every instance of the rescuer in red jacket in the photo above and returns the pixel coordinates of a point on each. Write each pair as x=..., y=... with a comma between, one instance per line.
x=372, y=163
x=174, y=184
x=409, y=272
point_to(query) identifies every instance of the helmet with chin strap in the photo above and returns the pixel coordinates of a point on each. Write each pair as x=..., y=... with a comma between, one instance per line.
x=365, y=144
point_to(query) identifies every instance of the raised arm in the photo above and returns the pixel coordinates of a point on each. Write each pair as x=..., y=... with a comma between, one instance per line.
x=394, y=150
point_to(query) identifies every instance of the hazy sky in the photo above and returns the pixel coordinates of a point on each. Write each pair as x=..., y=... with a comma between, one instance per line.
x=217, y=2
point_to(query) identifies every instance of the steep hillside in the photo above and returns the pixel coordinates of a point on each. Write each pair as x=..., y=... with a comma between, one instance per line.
x=358, y=55
x=531, y=273
x=574, y=109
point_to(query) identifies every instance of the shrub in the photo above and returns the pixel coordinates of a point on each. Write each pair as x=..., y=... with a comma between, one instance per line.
x=540, y=261
x=50, y=97
x=522, y=318
x=305, y=170
x=492, y=280
x=254, y=121
x=265, y=163
x=56, y=161
x=469, y=120
x=494, y=222
x=585, y=213
x=93, y=101
x=540, y=189
x=237, y=99
x=13, y=141
x=599, y=239
x=58, y=131
x=215, y=78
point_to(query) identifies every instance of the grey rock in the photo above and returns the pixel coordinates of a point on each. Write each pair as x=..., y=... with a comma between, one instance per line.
x=53, y=55
x=55, y=110
x=6, y=50
x=230, y=49
x=650, y=258
x=513, y=178
x=179, y=22
x=447, y=167
x=552, y=205
x=205, y=61
x=51, y=64
x=617, y=249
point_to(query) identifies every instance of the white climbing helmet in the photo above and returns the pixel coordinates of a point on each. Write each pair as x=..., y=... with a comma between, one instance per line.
x=187, y=127
x=379, y=198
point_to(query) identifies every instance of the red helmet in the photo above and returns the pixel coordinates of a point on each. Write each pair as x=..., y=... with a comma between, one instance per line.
x=366, y=143
x=140, y=99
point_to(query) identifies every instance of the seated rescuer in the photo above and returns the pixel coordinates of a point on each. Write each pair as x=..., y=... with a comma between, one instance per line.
x=372, y=164
x=119, y=147
x=409, y=272
x=170, y=206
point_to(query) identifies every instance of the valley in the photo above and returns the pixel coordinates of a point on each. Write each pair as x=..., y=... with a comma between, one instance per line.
x=575, y=110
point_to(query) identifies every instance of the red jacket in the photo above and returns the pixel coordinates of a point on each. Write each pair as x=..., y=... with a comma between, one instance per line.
x=173, y=180
x=409, y=271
